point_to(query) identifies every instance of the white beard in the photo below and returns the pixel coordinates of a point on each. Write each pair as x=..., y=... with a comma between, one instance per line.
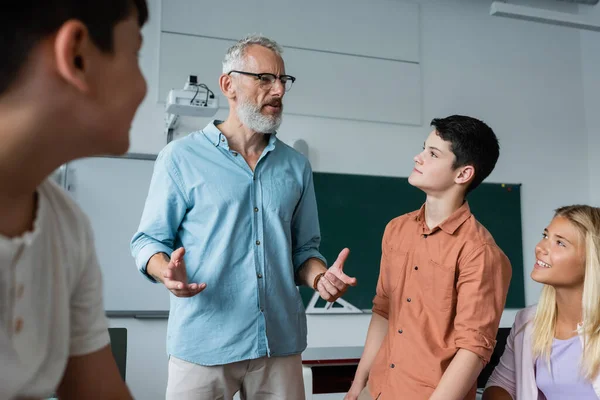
x=250, y=115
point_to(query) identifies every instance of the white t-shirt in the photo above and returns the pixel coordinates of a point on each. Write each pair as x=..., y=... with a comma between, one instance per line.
x=50, y=297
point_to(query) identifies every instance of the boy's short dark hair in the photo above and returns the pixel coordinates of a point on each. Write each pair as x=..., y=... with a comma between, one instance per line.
x=472, y=142
x=24, y=23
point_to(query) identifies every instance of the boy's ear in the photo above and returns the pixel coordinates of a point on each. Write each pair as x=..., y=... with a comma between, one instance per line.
x=465, y=174
x=72, y=48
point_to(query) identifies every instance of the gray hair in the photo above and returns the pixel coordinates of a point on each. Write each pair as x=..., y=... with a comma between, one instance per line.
x=234, y=58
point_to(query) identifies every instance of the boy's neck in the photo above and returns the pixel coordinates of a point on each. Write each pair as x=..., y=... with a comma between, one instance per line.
x=438, y=209
x=27, y=155
x=17, y=191
x=25, y=161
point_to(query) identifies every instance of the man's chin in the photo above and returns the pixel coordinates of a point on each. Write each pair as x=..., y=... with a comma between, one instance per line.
x=271, y=116
x=272, y=131
x=275, y=123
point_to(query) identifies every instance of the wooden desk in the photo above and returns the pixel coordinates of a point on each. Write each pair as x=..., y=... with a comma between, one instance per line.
x=329, y=369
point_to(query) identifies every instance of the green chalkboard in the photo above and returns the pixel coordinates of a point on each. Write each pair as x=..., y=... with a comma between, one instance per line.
x=354, y=210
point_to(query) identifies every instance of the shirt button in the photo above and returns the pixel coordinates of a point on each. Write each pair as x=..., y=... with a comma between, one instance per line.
x=255, y=209
x=20, y=290
x=234, y=153
x=222, y=139
x=400, y=331
x=392, y=365
x=259, y=276
x=416, y=268
x=18, y=325
x=409, y=300
x=258, y=242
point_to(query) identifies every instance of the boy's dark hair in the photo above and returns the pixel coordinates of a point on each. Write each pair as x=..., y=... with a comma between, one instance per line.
x=472, y=142
x=24, y=23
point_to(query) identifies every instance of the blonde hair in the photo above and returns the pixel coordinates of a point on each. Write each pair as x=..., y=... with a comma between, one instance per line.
x=587, y=221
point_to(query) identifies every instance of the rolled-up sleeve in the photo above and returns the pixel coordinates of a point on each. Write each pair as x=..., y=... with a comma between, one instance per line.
x=504, y=373
x=165, y=208
x=483, y=279
x=306, y=234
x=381, y=301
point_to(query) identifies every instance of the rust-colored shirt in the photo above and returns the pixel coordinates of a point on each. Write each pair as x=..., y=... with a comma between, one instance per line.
x=441, y=289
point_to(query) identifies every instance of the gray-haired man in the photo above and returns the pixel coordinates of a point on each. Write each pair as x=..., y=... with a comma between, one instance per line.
x=242, y=205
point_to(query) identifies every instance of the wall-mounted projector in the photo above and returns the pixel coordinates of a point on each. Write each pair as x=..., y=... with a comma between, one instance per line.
x=194, y=100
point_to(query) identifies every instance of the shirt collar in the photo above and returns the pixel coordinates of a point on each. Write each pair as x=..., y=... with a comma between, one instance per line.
x=213, y=134
x=450, y=224
x=216, y=137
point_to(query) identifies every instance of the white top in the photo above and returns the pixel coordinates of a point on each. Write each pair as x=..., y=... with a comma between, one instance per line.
x=50, y=297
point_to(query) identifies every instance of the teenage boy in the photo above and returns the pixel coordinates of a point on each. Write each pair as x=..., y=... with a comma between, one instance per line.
x=443, y=280
x=69, y=87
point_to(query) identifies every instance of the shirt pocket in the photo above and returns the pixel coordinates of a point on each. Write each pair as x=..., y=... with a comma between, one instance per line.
x=395, y=264
x=282, y=197
x=437, y=282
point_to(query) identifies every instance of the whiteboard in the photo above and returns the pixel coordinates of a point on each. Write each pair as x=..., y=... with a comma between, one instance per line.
x=112, y=192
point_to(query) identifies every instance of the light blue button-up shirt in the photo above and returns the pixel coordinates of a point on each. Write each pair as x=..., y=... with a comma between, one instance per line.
x=245, y=233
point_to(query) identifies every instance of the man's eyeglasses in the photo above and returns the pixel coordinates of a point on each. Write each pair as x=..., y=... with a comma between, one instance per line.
x=267, y=80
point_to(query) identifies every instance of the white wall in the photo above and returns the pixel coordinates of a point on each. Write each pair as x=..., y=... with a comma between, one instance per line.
x=524, y=79
x=590, y=52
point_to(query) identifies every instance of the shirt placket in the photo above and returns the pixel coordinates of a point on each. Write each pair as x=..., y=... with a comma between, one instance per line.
x=408, y=298
x=257, y=239
x=259, y=257
x=20, y=330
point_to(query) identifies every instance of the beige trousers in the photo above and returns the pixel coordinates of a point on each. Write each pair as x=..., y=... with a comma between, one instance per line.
x=264, y=378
